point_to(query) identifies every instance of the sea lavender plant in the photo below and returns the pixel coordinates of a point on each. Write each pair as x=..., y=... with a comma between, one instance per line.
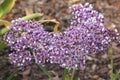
x=86, y=35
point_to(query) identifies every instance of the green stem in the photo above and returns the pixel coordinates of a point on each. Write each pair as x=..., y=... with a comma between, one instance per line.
x=73, y=74
x=111, y=62
x=65, y=74
x=45, y=71
x=115, y=76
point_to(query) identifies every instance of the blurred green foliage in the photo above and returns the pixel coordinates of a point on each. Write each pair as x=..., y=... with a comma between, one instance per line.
x=5, y=7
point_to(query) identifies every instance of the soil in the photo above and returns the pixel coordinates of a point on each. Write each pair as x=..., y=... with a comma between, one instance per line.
x=97, y=67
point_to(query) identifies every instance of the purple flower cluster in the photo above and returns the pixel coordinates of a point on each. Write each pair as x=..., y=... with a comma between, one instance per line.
x=21, y=59
x=85, y=15
x=21, y=35
x=93, y=36
x=86, y=35
x=26, y=39
x=64, y=51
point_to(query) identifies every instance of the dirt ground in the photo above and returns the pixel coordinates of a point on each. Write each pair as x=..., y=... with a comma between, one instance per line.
x=97, y=67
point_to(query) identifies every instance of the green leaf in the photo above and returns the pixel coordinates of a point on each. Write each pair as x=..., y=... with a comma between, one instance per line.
x=73, y=74
x=2, y=45
x=3, y=31
x=31, y=16
x=6, y=7
x=115, y=76
x=65, y=75
x=1, y=11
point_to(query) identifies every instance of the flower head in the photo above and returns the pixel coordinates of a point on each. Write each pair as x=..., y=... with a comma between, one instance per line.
x=27, y=39
x=86, y=35
x=87, y=25
x=85, y=15
x=21, y=59
x=20, y=36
